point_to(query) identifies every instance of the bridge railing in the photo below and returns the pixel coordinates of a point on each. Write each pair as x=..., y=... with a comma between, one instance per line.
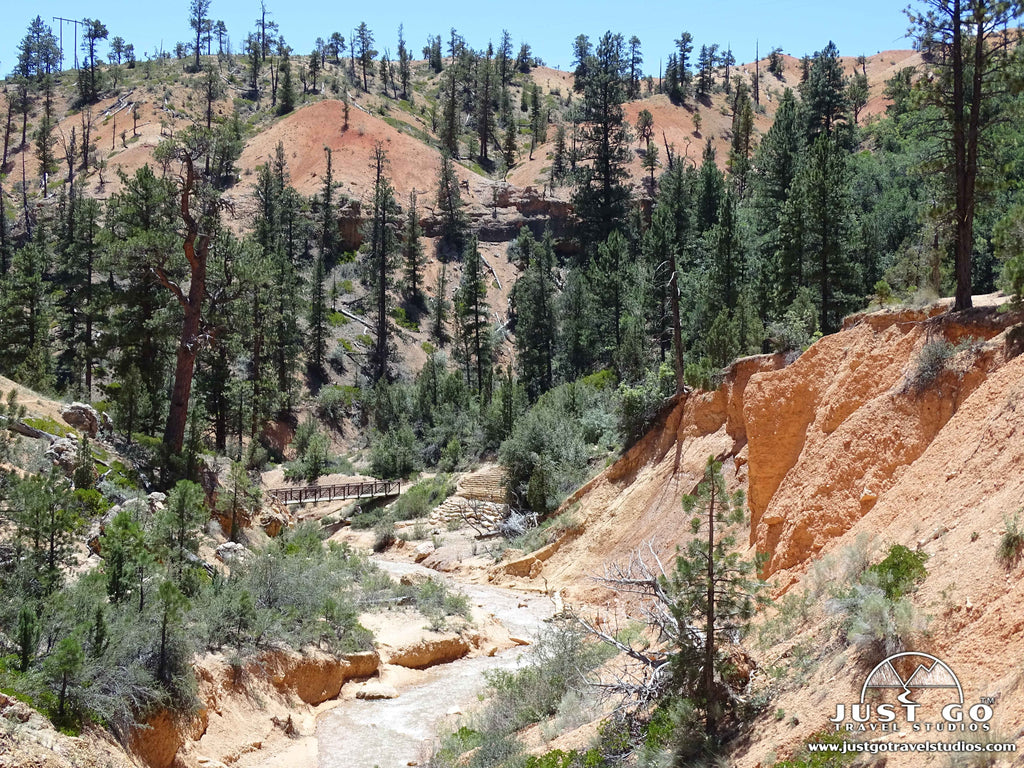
x=336, y=492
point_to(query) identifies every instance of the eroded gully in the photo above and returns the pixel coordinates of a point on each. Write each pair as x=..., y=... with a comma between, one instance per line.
x=398, y=732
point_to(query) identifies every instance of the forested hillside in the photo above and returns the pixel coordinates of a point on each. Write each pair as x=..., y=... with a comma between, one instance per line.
x=339, y=262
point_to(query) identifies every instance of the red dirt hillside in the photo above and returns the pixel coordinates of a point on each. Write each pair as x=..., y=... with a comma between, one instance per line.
x=835, y=449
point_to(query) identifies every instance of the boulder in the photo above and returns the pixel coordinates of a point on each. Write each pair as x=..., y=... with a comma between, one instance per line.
x=64, y=452
x=423, y=552
x=231, y=551
x=82, y=417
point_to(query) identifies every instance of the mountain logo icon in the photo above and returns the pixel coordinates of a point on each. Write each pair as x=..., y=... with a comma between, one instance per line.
x=919, y=671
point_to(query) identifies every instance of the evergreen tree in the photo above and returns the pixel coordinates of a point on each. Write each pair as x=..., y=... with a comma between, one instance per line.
x=824, y=92
x=449, y=201
x=559, y=161
x=684, y=47
x=508, y=145
x=536, y=321
x=486, y=129
x=317, y=319
x=362, y=48
x=45, y=520
x=608, y=278
x=380, y=261
x=25, y=317
x=404, y=67
x=578, y=341
x=439, y=317
x=742, y=138
x=538, y=120
x=970, y=49
x=706, y=62
x=176, y=532
x=285, y=86
x=93, y=31
x=711, y=188
x=728, y=260
x=714, y=588
x=777, y=224
x=636, y=62
x=200, y=23
x=412, y=252
x=823, y=191
x=601, y=193
x=471, y=317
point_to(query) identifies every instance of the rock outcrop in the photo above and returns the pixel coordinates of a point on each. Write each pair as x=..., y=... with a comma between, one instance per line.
x=82, y=417
x=817, y=444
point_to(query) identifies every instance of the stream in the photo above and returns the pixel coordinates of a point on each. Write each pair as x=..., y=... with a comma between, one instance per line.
x=391, y=733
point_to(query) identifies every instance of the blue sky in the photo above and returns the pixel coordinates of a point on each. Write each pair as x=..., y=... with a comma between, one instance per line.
x=798, y=26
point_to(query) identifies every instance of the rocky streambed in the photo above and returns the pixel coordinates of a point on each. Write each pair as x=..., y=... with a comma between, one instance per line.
x=399, y=731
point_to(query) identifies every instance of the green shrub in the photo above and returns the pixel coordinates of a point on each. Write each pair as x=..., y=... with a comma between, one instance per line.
x=403, y=320
x=334, y=403
x=394, y=453
x=932, y=360
x=558, y=664
x=1011, y=545
x=640, y=405
x=420, y=499
x=383, y=534
x=701, y=374
x=546, y=456
x=336, y=319
x=882, y=292
x=1012, y=278
x=900, y=571
x=878, y=618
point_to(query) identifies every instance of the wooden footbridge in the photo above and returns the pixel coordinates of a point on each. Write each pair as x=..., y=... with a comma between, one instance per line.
x=338, y=492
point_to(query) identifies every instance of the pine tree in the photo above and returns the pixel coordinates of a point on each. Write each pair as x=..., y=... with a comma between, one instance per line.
x=824, y=92
x=536, y=321
x=471, y=316
x=380, y=261
x=636, y=62
x=508, y=145
x=317, y=318
x=777, y=224
x=200, y=23
x=684, y=46
x=711, y=187
x=285, y=86
x=404, y=67
x=601, y=192
x=89, y=76
x=538, y=120
x=449, y=201
x=608, y=278
x=706, y=62
x=823, y=192
x=25, y=317
x=713, y=587
x=362, y=48
x=412, y=252
x=439, y=317
x=559, y=165
x=971, y=50
x=742, y=138
x=485, y=126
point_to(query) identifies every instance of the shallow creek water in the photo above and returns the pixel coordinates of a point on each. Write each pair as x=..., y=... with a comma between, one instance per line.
x=391, y=733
